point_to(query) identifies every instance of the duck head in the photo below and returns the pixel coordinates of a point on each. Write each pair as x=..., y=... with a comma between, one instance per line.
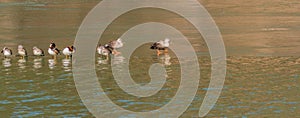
x=106, y=45
x=20, y=46
x=5, y=48
x=52, y=45
x=72, y=48
x=34, y=48
x=119, y=40
x=167, y=40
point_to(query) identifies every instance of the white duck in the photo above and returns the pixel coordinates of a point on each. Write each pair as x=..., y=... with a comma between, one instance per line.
x=37, y=52
x=115, y=45
x=104, y=50
x=161, y=45
x=68, y=51
x=6, y=52
x=21, y=51
x=52, y=50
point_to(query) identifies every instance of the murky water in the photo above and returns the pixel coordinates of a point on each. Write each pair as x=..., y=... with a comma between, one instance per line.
x=264, y=84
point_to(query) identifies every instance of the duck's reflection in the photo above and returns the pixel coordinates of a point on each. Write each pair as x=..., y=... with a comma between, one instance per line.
x=6, y=62
x=117, y=59
x=165, y=59
x=67, y=64
x=21, y=63
x=52, y=63
x=37, y=63
x=101, y=60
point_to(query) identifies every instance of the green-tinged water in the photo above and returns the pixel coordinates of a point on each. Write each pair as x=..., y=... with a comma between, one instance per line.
x=255, y=86
x=261, y=39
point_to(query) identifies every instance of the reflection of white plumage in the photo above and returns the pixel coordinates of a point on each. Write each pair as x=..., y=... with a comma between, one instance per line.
x=118, y=60
x=66, y=63
x=68, y=51
x=161, y=45
x=52, y=63
x=166, y=60
x=21, y=63
x=6, y=62
x=37, y=52
x=37, y=63
x=21, y=51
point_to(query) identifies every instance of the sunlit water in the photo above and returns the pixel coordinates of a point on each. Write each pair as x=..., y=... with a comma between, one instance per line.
x=255, y=86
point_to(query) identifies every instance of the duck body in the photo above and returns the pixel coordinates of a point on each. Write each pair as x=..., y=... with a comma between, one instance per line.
x=6, y=52
x=116, y=44
x=113, y=45
x=104, y=50
x=161, y=45
x=21, y=51
x=37, y=52
x=68, y=51
x=52, y=50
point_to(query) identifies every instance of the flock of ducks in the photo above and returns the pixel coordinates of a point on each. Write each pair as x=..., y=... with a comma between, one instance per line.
x=110, y=48
x=105, y=50
x=52, y=50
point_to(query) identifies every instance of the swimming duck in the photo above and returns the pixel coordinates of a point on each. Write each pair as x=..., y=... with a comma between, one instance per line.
x=6, y=52
x=115, y=45
x=68, y=51
x=37, y=51
x=161, y=45
x=52, y=50
x=104, y=50
x=21, y=51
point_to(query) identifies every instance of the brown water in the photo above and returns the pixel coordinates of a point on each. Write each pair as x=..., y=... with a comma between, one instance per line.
x=261, y=38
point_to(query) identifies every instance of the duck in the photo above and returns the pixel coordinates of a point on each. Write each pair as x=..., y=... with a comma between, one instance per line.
x=161, y=45
x=6, y=52
x=116, y=44
x=37, y=51
x=52, y=50
x=68, y=51
x=104, y=50
x=21, y=51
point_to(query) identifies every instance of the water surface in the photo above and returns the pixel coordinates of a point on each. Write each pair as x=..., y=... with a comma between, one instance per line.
x=261, y=38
